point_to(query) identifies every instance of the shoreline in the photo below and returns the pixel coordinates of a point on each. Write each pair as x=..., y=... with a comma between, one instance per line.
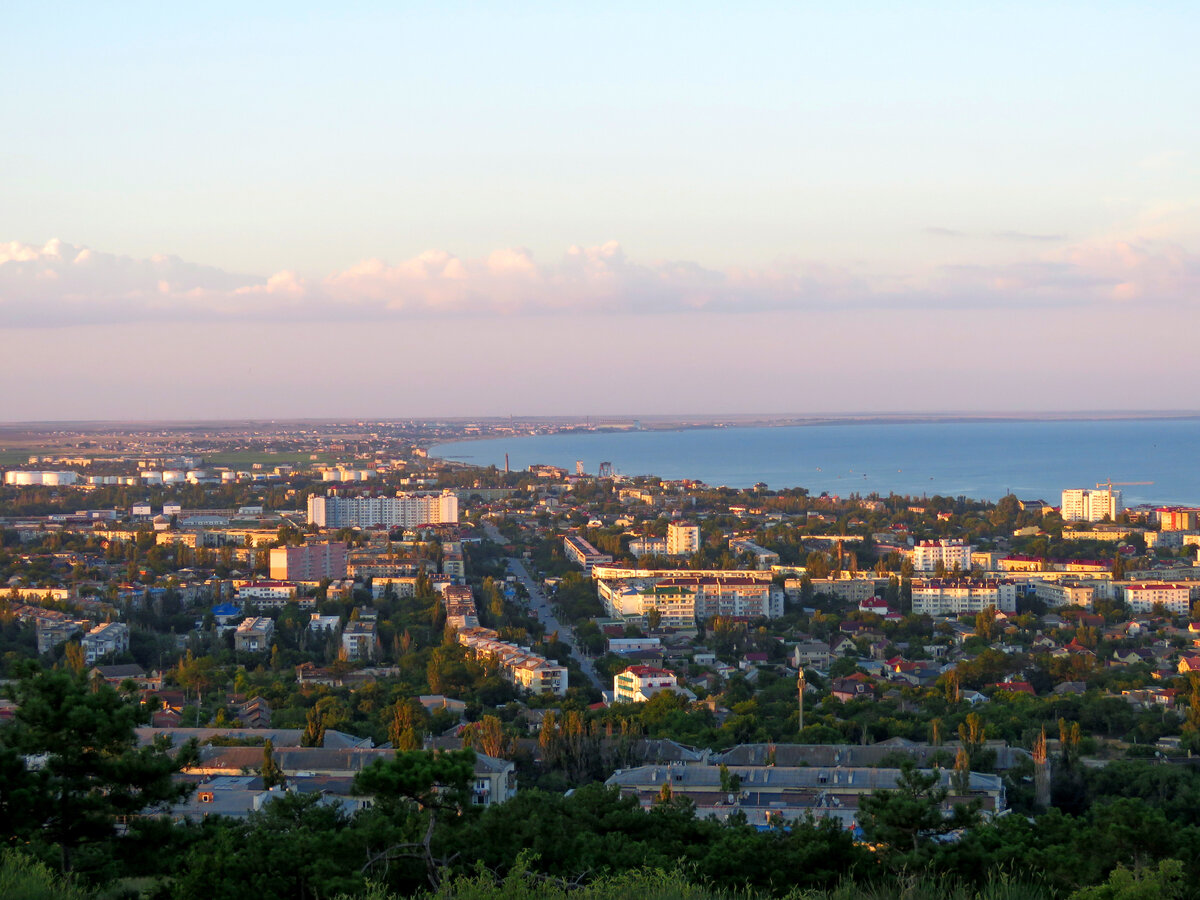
x=820, y=422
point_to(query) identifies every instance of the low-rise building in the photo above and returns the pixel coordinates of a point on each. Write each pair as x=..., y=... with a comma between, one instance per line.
x=519, y=665
x=107, y=639
x=1065, y=593
x=772, y=794
x=583, y=554
x=637, y=684
x=254, y=635
x=360, y=640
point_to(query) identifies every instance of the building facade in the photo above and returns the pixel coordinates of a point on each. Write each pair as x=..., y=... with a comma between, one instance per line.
x=401, y=511
x=637, y=684
x=949, y=553
x=1142, y=597
x=1091, y=506
x=311, y=562
x=683, y=539
x=583, y=554
x=109, y=638
x=938, y=597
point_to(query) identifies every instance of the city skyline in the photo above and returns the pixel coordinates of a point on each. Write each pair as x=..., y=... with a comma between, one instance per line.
x=297, y=212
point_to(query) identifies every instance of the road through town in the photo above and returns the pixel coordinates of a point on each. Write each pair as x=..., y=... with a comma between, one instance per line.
x=541, y=605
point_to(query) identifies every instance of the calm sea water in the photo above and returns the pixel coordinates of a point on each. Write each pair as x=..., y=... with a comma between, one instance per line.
x=982, y=460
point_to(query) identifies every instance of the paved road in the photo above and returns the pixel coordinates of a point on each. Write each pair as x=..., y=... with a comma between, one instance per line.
x=539, y=603
x=493, y=533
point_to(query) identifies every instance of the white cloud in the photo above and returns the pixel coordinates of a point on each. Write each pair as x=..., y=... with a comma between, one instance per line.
x=62, y=284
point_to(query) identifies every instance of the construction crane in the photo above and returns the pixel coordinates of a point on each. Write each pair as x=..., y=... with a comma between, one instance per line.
x=1110, y=484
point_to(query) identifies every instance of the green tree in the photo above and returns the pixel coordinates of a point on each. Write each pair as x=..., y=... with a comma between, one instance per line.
x=1163, y=883
x=91, y=772
x=411, y=792
x=272, y=775
x=909, y=816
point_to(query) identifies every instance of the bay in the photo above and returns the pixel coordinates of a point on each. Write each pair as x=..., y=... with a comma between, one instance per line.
x=977, y=459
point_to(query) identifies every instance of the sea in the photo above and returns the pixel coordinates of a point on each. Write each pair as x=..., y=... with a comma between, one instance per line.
x=1150, y=460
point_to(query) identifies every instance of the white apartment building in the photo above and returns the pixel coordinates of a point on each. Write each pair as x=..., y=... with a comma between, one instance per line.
x=676, y=604
x=648, y=546
x=250, y=591
x=1141, y=597
x=105, y=639
x=360, y=640
x=952, y=598
x=683, y=539
x=731, y=595
x=1065, y=593
x=517, y=664
x=401, y=511
x=1091, y=506
x=950, y=553
x=637, y=684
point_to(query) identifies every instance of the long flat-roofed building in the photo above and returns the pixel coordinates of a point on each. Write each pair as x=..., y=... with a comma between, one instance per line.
x=582, y=553
x=519, y=665
x=401, y=511
x=955, y=597
x=771, y=794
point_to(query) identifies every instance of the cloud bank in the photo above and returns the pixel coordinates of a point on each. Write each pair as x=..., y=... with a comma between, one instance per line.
x=60, y=284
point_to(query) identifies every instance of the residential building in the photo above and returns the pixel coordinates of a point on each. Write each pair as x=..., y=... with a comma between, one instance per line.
x=1178, y=518
x=107, y=639
x=767, y=795
x=246, y=591
x=1142, y=597
x=405, y=510
x=852, y=590
x=683, y=539
x=517, y=664
x=676, y=604
x=1065, y=593
x=360, y=640
x=51, y=633
x=648, y=546
x=951, y=554
x=311, y=562
x=1091, y=506
x=320, y=624
x=763, y=558
x=956, y=597
x=254, y=635
x=582, y=553
x=731, y=595
x=637, y=684
x=624, y=645
x=495, y=780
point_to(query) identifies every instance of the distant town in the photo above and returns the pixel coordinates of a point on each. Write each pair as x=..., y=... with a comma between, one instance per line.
x=336, y=595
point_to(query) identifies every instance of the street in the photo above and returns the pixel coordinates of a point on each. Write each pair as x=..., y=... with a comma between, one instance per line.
x=539, y=604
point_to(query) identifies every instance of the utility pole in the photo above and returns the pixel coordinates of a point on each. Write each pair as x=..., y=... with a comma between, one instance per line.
x=800, y=690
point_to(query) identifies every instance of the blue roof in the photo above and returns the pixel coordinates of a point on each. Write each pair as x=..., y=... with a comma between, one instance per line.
x=227, y=609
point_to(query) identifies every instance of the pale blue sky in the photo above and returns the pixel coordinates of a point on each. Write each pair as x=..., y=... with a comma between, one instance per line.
x=306, y=136
x=940, y=153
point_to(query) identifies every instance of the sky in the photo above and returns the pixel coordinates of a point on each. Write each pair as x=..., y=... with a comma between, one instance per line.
x=444, y=209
